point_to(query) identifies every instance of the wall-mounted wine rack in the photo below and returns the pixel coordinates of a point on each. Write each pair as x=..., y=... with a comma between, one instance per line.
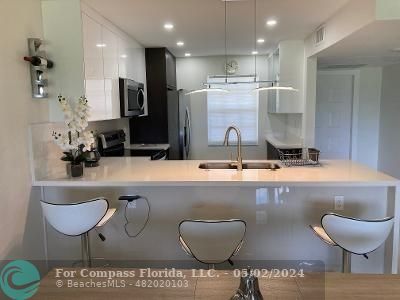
x=38, y=73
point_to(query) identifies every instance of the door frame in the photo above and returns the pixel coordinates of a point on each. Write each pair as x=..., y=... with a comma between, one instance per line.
x=355, y=105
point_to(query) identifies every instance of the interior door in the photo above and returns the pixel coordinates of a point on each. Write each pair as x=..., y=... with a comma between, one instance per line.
x=333, y=120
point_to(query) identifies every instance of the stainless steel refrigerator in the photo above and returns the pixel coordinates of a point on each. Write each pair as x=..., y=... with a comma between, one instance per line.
x=179, y=125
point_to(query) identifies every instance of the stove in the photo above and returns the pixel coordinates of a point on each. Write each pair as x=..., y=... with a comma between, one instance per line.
x=112, y=144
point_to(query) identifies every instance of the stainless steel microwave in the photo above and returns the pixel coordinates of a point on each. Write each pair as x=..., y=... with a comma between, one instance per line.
x=132, y=97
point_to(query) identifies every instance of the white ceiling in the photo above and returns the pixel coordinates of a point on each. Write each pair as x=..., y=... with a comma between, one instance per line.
x=200, y=23
x=372, y=45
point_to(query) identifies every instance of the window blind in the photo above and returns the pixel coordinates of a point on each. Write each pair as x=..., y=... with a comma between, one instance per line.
x=239, y=107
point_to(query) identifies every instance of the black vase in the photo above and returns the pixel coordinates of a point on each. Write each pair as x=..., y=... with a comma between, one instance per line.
x=75, y=170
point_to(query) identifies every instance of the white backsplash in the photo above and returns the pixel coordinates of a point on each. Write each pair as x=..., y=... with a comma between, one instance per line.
x=45, y=154
x=285, y=127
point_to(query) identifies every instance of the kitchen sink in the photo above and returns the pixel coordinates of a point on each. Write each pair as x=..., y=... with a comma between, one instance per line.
x=246, y=165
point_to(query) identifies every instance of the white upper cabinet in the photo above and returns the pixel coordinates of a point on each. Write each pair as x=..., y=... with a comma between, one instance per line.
x=93, y=64
x=123, y=57
x=90, y=54
x=93, y=52
x=286, y=65
x=111, y=83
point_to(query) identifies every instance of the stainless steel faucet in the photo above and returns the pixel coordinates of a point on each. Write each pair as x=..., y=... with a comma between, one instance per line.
x=238, y=163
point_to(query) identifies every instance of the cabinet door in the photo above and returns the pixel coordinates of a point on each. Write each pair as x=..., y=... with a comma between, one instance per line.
x=93, y=48
x=135, y=60
x=291, y=73
x=110, y=60
x=110, y=53
x=171, y=69
x=93, y=61
x=123, y=57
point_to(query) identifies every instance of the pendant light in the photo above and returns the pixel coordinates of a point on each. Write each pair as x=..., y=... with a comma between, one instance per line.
x=276, y=88
x=208, y=88
x=274, y=84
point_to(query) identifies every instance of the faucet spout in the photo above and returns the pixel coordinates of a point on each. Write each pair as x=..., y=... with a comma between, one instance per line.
x=239, y=162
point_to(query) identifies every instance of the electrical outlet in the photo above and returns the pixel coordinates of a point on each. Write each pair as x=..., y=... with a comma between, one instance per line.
x=132, y=204
x=339, y=202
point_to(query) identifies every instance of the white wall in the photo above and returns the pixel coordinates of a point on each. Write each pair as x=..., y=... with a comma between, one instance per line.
x=366, y=113
x=352, y=17
x=368, y=116
x=19, y=217
x=389, y=142
x=191, y=74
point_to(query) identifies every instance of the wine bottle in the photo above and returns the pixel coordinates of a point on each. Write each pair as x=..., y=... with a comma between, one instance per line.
x=38, y=61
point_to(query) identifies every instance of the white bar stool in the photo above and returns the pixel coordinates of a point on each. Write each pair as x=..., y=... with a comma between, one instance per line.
x=354, y=236
x=212, y=241
x=77, y=219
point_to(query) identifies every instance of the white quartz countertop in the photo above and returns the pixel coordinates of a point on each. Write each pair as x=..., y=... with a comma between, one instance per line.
x=283, y=143
x=132, y=171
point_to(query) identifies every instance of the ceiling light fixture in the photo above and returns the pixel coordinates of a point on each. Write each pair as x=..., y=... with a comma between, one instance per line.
x=169, y=26
x=124, y=56
x=208, y=90
x=276, y=88
x=260, y=41
x=188, y=54
x=101, y=45
x=180, y=43
x=254, y=52
x=272, y=22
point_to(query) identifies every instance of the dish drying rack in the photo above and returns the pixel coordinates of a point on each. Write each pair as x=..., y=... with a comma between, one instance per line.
x=295, y=158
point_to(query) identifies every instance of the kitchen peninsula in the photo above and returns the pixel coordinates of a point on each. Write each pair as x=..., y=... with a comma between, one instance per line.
x=277, y=205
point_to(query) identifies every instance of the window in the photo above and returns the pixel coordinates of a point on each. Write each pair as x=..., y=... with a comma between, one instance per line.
x=239, y=107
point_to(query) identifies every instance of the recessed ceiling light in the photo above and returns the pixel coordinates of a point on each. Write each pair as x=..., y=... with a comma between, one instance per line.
x=260, y=41
x=272, y=22
x=188, y=54
x=101, y=45
x=169, y=26
x=254, y=52
x=124, y=56
x=180, y=43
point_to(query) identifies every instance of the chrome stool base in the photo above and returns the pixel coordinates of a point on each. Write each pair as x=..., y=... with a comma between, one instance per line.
x=249, y=288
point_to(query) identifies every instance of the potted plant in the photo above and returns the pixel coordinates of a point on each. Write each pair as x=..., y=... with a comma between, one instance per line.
x=75, y=141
